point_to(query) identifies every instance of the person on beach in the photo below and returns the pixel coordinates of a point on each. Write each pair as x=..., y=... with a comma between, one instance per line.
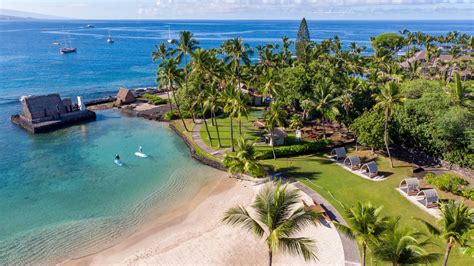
x=117, y=157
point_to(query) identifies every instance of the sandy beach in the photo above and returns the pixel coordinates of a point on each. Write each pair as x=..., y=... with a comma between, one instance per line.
x=194, y=234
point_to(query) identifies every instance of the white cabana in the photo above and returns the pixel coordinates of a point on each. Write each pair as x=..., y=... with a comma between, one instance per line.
x=339, y=153
x=410, y=185
x=370, y=169
x=428, y=197
x=353, y=162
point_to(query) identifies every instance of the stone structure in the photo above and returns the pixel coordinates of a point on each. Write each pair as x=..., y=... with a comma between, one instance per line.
x=49, y=112
x=124, y=96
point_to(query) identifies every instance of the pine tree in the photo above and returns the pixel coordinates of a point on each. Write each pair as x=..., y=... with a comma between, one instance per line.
x=302, y=41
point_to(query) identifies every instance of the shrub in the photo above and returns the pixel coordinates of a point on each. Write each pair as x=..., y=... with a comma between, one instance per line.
x=461, y=158
x=468, y=193
x=302, y=148
x=171, y=115
x=153, y=99
x=447, y=182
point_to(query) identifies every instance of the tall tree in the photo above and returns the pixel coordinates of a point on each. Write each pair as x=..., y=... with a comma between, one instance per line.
x=275, y=117
x=245, y=159
x=302, y=41
x=229, y=96
x=387, y=100
x=455, y=226
x=211, y=104
x=277, y=218
x=185, y=47
x=236, y=51
x=169, y=73
x=162, y=52
x=403, y=246
x=326, y=100
x=365, y=224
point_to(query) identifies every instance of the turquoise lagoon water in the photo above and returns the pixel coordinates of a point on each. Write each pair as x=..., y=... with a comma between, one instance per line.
x=66, y=197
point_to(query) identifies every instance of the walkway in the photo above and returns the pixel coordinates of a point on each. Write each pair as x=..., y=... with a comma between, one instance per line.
x=197, y=139
x=351, y=251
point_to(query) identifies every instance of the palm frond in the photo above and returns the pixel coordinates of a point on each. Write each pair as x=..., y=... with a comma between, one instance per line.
x=299, y=246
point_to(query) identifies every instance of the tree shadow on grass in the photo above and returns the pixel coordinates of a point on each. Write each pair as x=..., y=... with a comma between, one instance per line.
x=294, y=173
x=386, y=174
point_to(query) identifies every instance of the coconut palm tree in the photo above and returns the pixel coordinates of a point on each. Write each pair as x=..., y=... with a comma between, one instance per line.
x=285, y=52
x=326, y=100
x=307, y=105
x=162, y=52
x=455, y=226
x=275, y=117
x=388, y=99
x=277, y=218
x=211, y=104
x=365, y=225
x=296, y=121
x=169, y=73
x=236, y=51
x=402, y=246
x=238, y=106
x=245, y=159
x=229, y=96
x=185, y=46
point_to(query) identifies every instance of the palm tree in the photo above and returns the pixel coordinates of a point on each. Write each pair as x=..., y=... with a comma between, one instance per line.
x=402, y=246
x=211, y=103
x=185, y=46
x=388, y=99
x=229, y=98
x=326, y=100
x=169, y=73
x=307, y=105
x=162, y=52
x=236, y=51
x=296, y=121
x=245, y=158
x=275, y=117
x=455, y=226
x=366, y=225
x=458, y=89
x=285, y=52
x=277, y=218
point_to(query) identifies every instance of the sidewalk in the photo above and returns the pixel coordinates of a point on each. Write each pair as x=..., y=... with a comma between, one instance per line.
x=197, y=139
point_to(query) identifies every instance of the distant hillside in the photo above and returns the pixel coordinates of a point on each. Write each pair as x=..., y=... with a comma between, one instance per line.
x=9, y=14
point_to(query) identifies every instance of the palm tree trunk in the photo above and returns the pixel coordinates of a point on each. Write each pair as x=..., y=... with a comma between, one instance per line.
x=324, y=128
x=446, y=254
x=207, y=128
x=231, y=134
x=217, y=130
x=240, y=127
x=364, y=251
x=169, y=100
x=386, y=137
x=179, y=111
x=270, y=258
x=273, y=144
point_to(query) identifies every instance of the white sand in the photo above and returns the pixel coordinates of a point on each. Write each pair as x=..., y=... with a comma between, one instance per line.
x=194, y=234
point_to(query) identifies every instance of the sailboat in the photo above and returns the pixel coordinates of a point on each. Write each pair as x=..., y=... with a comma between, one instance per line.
x=170, y=40
x=66, y=49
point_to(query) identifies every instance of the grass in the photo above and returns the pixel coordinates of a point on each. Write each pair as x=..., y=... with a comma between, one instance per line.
x=341, y=187
x=248, y=129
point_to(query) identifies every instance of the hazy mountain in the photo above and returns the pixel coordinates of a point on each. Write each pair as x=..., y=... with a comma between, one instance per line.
x=9, y=14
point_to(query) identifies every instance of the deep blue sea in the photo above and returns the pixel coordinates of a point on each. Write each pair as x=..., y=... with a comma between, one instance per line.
x=60, y=193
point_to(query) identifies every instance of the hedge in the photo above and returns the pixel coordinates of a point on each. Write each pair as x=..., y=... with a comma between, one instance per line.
x=295, y=149
x=153, y=99
x=447, y=182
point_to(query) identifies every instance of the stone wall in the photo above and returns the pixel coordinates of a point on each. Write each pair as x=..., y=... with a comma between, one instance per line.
x=202, y=159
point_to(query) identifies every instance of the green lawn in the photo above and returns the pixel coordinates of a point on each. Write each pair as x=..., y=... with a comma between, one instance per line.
x=338, y=186
x=224, y=131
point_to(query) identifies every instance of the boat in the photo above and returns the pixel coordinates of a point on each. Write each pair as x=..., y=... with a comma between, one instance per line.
x=66, y=49
x=170, y=40
x=56, y=43
x=90, y=26
x=118, y=162
x=110, y=40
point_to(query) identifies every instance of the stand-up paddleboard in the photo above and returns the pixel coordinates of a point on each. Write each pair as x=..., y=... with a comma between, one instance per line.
x=118, y=162
x=141, y=154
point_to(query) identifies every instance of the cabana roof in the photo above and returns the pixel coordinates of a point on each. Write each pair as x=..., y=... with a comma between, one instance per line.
x=339, y=152
x=429, y=196
x=352, y=161
x=371, y=167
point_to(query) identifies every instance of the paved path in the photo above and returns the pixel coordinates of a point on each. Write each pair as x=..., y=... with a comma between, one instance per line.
x=197, y=139
x=351, y=251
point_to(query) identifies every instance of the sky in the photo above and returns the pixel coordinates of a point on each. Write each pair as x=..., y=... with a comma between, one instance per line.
x=249, y=9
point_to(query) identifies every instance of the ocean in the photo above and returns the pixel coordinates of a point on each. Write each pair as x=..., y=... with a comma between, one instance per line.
x=60, y=193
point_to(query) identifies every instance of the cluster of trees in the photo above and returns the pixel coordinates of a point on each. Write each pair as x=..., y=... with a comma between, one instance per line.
x=276, y=217
x=381, y=101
